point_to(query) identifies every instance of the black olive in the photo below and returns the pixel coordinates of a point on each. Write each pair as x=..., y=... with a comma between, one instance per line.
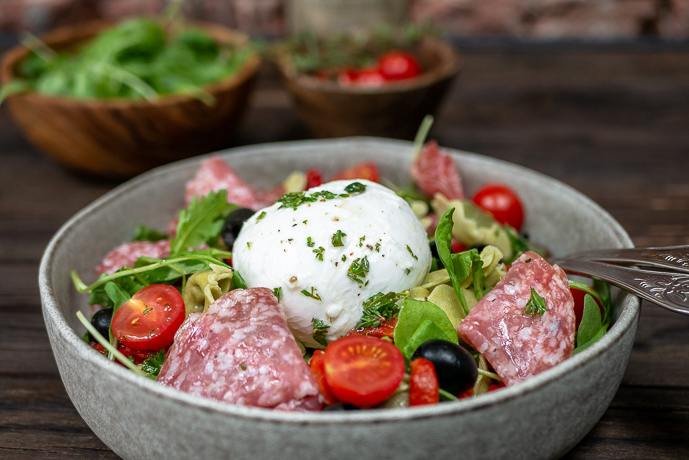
x=436, y=257
x=478, y=247
x=339, y=407
x=101, y=321
x=454, y=365
x=233, y=223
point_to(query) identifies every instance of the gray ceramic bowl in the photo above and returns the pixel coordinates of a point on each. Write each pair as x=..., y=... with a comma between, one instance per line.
x=138, y=418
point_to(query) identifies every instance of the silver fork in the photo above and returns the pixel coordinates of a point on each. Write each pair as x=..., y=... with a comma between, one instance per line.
x=629, y=270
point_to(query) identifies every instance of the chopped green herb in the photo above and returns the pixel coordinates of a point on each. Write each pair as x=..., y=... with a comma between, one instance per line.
x=248, y=244
x=278, y=293
x=412, y=253
x=344, y=258
x=261, y=216
x=361, y=240
x=377, y=247
x=313, y=294
x=153, y=363
x=355, y=187
x=536, y=304
x=147, y=311
x=319, y=331
x=309, y=242
x=378, y=308
x=407, y=271
x=337, y=238
x=295, y=199
x=319, y=253
x=358, y=270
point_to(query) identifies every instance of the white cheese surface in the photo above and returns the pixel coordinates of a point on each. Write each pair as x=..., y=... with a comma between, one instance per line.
x=272, y=251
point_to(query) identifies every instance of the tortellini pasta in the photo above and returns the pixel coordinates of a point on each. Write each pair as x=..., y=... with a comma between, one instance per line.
x=205, y=287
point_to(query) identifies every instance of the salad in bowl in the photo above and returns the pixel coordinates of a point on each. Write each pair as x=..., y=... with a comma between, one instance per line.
x=236, y=318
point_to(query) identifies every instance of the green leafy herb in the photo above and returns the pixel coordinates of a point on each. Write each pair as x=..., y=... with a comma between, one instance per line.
x=313, y=294
x=419, y=322
x=358, y=270
x=144, y=233
x=320, y=328
x=201, y=221
x=355, y=187
x=153, y=363
x=309, y=242
x=412, y=253
x=337, y=238
x=261, y=216
x=592, y=326
x=536, y=304
x=295, y=199
x=319, y=253
x=237, y=280
x=459, y=266
x=361, y=240
x=344, y=258
x=278, y=293
x=377, y=247
x=378, y=308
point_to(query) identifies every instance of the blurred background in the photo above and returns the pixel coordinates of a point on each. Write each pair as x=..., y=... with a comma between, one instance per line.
x=524, y=19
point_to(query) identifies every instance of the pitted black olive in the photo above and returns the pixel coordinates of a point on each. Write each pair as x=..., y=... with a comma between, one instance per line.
x=233, y=224
x=455, y=367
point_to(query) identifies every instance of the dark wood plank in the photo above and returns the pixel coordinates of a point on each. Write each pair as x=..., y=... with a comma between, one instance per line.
x=611, y=123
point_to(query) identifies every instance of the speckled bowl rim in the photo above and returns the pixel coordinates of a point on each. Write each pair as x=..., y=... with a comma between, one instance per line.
x=626, y=319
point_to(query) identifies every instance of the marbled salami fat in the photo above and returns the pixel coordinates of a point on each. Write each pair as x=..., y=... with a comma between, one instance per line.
x=213, y=175
x=435, y=172
x=519, y=345
x=126, y=254
x=241, y=351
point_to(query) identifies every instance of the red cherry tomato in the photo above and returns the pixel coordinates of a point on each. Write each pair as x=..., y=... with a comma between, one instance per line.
x=502, y=203
x=423, y=383
x=314, y=178
x=386, y=329
x=318, y=371
x=365, y=170
x=363, y=371
x=137, y=356
x=149, y=320
x=398, y=65
x=456, y=246
x=579, y=296
x=369, y=77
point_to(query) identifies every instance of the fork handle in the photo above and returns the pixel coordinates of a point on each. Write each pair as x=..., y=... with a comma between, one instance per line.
x=666, y=289
x=670, y=257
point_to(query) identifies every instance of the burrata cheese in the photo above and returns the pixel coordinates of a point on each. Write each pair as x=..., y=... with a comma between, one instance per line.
x=330, y=255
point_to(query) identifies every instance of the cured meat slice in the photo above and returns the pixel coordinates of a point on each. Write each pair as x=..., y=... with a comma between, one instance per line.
x=213, y=175
x=517, y=344
x=241, y=351
x=435, y=172
x=126, y=254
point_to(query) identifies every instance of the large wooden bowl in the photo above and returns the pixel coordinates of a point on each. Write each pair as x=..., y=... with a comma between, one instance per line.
x=119, y=137
x=392, y=110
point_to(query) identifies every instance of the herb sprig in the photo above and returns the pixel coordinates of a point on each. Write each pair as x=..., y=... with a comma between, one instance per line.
x=379, y=308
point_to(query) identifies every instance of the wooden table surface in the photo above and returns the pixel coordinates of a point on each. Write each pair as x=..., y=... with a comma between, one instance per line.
x=613, y=123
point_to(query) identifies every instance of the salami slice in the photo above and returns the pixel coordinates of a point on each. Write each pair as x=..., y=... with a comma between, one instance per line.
x=241, y=351
x=435, y=172
x=126, y=254
x=213, y=175
x=518, y=344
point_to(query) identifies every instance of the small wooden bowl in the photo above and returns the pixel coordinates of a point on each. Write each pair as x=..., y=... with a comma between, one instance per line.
x=393, y=110
x=121, y=138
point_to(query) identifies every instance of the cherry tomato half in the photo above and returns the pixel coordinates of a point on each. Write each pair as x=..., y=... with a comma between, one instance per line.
x=398, y=65
x=314, y=178
x=363, y=371
x=579, y=296
x=318, y=371
x=365, y=170
x=423, y=383
x=149, y=320
x=502, y=202
x=385, y=329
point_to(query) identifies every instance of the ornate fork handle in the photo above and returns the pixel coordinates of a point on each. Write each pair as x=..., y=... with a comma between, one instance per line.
x=667, y=289
x=669, y=257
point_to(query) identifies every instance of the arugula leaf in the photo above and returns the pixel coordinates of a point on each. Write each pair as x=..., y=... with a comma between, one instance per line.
x=592, y=327
x=239, y=282
x=201, y=221
x=459, y=266
x=118, y=295
x=153, y=363
x=144, y=233
x=419, y=322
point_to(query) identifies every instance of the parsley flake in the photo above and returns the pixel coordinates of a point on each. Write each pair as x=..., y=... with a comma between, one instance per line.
x=309, y=242
x=412, y=253
x=355, y=187
x=261, y=216
x=319, y=253
x=536, y=304
x=278, y=293
x=337, y=238
x=319, y=331
x=378, y=308
x=313, y=294
x=358, y=270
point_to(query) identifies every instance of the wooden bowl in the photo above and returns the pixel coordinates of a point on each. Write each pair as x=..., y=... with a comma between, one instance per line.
x=121, y=138
x=393, y=110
